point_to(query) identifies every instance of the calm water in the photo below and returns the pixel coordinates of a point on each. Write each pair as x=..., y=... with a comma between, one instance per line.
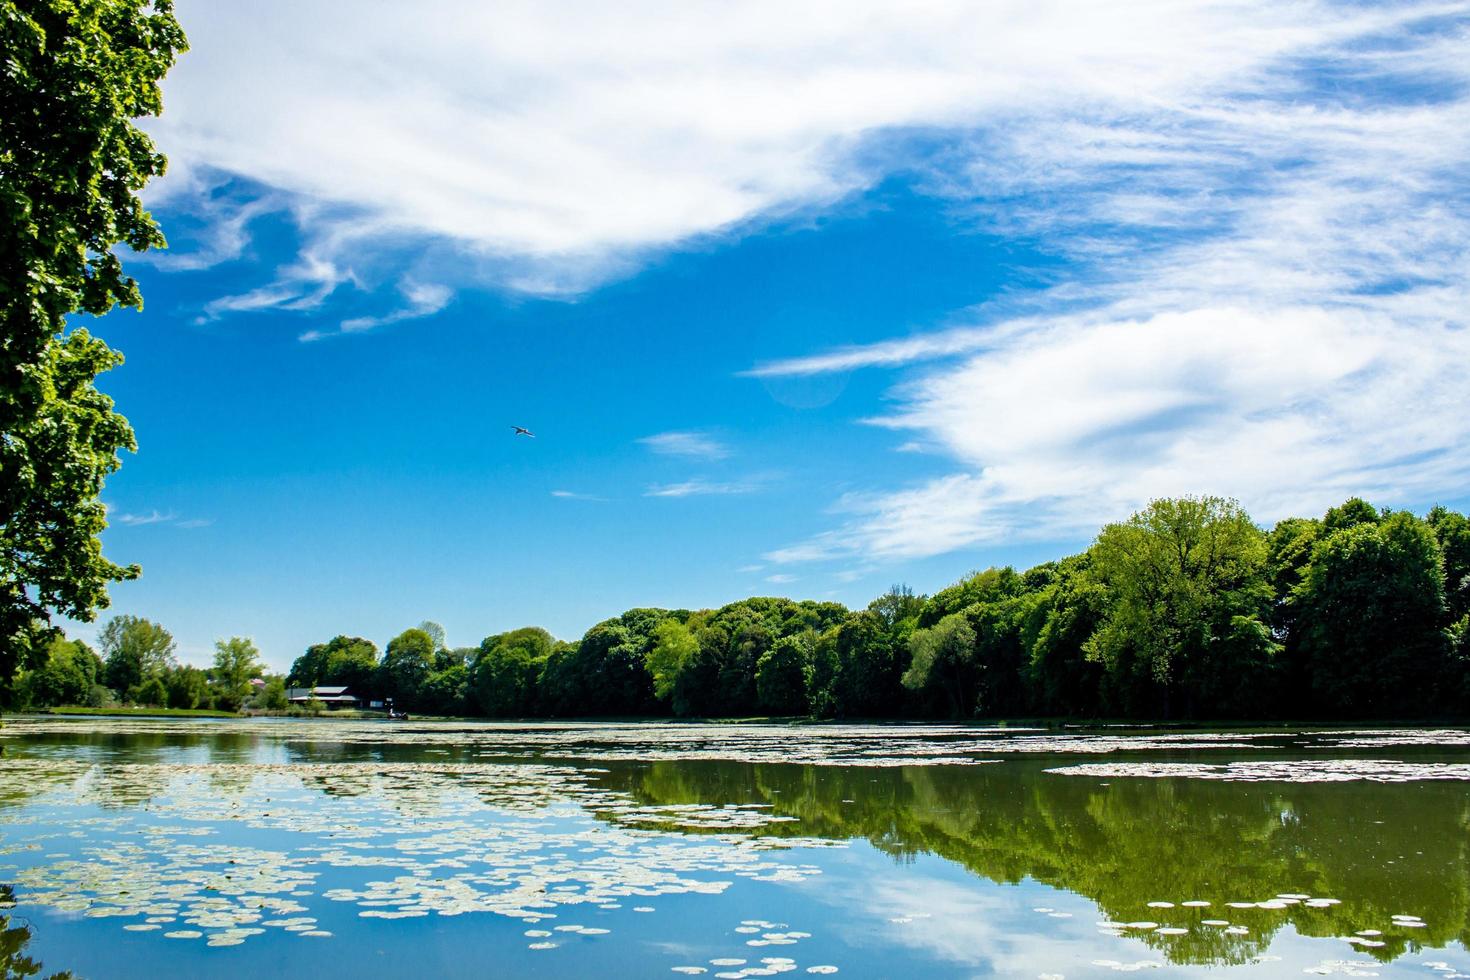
x=157, y=849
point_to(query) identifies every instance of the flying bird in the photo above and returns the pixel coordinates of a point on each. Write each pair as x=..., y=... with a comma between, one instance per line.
x=524, y=432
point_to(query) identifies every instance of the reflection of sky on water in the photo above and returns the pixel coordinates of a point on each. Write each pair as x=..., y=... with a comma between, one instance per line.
x=935, y=912
x=260, y=851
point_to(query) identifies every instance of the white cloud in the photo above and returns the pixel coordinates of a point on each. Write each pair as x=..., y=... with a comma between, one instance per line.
x=574, y=495
x=1080, y=422
x=699, y=488
x=301, y=286
x=152, y=517
x=697, y=445
x=552, y=147
x=158, y=517
x=780, y=578
x=1264, y=208
x=1267, y=298
x=423, y=299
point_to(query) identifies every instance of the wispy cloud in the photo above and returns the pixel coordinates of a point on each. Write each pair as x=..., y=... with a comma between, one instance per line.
x=212, y=225
x=1267, y=297
x=780, y=578
x=699, y=488
x=573, y=495
x=423, y=299
x=300, y=287
x=157, y=517
x=549, y=160
x=152, y=517
x=697, y=445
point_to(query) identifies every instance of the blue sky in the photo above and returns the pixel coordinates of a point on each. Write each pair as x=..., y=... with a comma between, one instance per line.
x=797, y=302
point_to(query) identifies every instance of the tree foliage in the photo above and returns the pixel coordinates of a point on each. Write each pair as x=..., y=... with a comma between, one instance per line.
x=1185, y=610
x=1179, y=574
x=673, y=645
x=75, y=76
x=406, y=666
x=506, y=671
x=236, y=662
x=136, y=650
x=343, y=661
x=943, y=665
x=783, y=675
x=1373, y=619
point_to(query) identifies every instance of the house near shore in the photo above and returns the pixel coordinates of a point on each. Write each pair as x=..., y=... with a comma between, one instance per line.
x=332, y=697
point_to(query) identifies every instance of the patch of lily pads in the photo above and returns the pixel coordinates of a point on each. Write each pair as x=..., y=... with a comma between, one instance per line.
x=1294, y=771
x=853, y=745
x=446, y=839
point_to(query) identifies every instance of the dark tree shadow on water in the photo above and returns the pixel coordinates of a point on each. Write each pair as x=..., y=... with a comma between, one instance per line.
x=15, y=936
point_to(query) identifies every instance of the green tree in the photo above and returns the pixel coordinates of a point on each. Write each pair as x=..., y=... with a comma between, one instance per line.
x=343, y=661
x=783, y=673
x=697, y=691
x=505, y=673
x=1373, y=620
x=1350, y=513
x=135, y=650
x=1071, y=607
x=612, y=679
x=458, y=657
x=896, y=606
x=406, y=667
x=825, y=673
x=68, y=676
x=236, y=662
x=71, y=165
x=150, y=693
x=436, y=633
x=749, y=641
x=674, y=644
x=273, y=695
x=445, y=691
x=870, y=664
x=1452, y=530
x=188, y=687
x=991, y=585
x=1177, y=576
x=942, y=664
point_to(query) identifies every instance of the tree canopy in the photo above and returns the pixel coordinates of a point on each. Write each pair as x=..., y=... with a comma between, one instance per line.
x=72, y=162
x=1186, y=610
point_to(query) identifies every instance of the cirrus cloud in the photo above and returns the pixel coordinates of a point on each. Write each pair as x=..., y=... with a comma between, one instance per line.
x=547, y=149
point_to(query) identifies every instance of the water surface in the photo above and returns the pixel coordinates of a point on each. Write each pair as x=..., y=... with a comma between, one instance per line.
x=140, y=848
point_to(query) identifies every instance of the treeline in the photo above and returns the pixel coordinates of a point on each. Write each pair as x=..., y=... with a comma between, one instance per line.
x=1185, y=610
x=137, y=667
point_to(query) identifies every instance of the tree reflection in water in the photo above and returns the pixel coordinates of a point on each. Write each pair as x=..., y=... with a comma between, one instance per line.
x=1382, y=850
x=14, y=963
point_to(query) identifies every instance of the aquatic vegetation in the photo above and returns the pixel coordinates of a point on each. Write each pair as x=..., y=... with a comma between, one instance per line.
x=515, y=840
x=1295, y=771
x=247, y=832
x=828, y=744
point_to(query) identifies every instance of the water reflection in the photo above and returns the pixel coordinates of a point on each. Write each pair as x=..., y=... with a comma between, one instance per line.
x=1379, y=850
x=15, y=937
x=1209, y=872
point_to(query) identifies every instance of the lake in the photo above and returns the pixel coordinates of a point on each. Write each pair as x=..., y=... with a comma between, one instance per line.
x=246, y=848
